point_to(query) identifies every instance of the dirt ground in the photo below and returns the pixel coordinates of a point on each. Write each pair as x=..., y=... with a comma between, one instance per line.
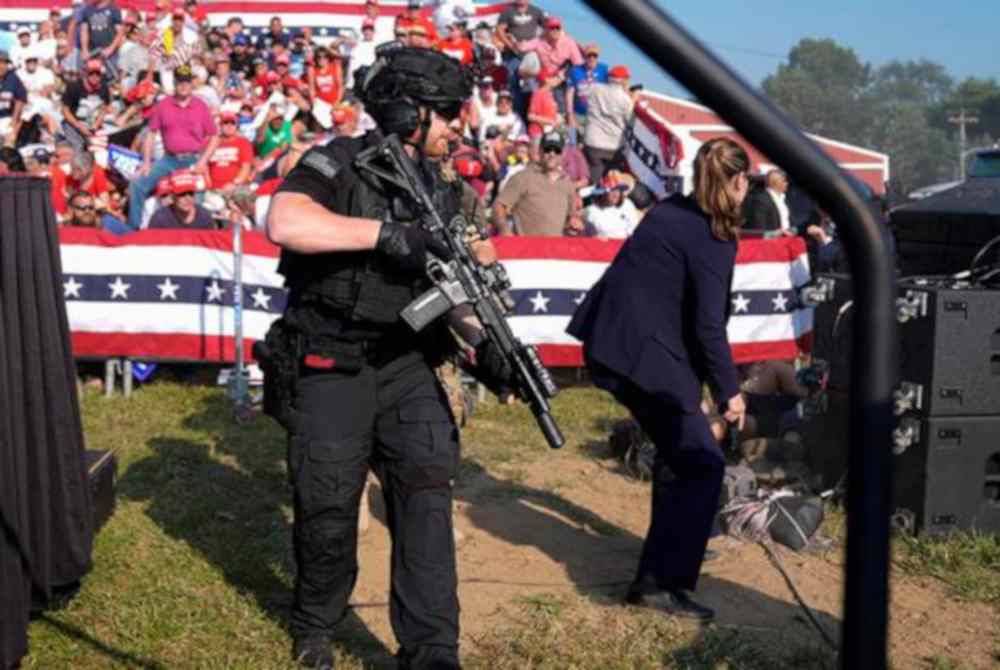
x=575, y=527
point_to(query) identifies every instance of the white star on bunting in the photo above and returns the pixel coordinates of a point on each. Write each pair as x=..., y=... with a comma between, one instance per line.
x=119, y=289
x=741, y=304
x=580, y=298
x=261, y=299
x=214, y=291
x=71, y=288
x=168, y=289
x=780, y=303
x=540, y=303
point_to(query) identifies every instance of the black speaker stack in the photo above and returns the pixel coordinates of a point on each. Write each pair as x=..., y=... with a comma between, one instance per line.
x=946, y=443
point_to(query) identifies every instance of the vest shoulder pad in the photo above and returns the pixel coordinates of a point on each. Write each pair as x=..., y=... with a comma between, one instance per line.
x=324, y=160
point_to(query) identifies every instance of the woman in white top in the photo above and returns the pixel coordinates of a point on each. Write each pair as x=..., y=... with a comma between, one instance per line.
x=613, y=215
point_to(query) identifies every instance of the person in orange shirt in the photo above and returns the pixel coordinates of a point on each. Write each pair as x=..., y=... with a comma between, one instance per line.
x=414, y=15
x=543, y=112
x=326, y=77
x=457, y=45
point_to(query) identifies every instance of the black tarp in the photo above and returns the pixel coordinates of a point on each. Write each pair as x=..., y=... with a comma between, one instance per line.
x=940, y=234
x=45, y=507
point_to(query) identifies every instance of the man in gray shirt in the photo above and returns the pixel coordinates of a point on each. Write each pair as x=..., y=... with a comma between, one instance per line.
x=609, y=108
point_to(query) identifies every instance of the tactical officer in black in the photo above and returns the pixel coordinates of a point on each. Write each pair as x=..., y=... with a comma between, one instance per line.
x=364, y=392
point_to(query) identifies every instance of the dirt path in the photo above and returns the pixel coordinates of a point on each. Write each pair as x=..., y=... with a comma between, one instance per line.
x=527, y=532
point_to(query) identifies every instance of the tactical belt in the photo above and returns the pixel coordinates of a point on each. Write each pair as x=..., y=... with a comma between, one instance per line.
x=336, y=355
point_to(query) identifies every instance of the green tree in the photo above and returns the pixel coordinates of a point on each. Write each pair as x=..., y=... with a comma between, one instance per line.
x=919, y=154
x=828, y=90
x=822, y=87
x=921, y=82
x=979, y=97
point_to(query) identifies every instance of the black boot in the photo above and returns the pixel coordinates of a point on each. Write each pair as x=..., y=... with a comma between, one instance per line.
x=313, y=652
x=673, y=602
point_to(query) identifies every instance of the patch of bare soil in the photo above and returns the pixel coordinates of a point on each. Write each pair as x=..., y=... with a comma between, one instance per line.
x=574, y=526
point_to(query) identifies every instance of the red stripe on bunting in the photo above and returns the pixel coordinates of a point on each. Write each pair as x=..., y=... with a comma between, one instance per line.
x=782, y=350
x=556, y=248
x=778, y=250
x=571, y=355
x=254, y=243
x=159, y=347
x=782, y=250
x=254, y=6
x=560, y=355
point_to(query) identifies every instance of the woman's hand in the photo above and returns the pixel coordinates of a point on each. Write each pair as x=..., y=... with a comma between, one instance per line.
x=736, y=411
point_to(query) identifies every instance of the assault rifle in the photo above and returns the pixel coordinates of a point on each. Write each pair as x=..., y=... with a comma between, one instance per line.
x=462, y=280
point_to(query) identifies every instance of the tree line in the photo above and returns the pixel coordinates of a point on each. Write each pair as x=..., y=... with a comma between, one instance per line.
x=901, y=108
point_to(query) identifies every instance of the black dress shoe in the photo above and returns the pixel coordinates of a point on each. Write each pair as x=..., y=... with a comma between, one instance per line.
x=672, y=603
x=313, y=652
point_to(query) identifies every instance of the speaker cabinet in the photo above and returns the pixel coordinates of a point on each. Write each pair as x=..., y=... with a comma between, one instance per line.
x=949, y=348
x=946, y=470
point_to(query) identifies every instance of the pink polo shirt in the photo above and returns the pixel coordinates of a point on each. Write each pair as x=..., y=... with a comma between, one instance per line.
x=565, y=49
x=185, y=130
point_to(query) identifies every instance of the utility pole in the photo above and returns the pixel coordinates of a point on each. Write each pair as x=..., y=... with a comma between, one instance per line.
x=961, y=120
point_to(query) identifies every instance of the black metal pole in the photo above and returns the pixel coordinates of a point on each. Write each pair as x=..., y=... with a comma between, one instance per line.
x=760, y=122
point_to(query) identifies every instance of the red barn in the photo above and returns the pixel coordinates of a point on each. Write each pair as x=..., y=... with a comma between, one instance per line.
x=696, y=123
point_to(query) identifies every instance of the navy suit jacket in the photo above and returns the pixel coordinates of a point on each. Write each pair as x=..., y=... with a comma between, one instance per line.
x=657, y=316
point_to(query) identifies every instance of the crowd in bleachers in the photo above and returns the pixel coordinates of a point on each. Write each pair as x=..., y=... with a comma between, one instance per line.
x=210, y=110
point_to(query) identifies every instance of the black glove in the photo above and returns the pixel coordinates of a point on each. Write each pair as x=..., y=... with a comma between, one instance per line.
x=408, y=245
x=493, y=369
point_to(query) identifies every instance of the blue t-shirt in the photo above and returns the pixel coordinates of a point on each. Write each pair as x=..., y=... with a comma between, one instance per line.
x=11, y=90
x=103, y=24
x=582, y=79
x=166, y=218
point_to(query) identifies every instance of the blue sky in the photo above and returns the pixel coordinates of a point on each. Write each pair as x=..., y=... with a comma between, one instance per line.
x=754, y=36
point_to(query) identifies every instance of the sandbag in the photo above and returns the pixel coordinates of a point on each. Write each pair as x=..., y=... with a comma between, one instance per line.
x=739, y=481
x=796, y=520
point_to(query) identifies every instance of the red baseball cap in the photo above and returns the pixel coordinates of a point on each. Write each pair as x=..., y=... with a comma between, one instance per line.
x=367, y=23
x=183, y=182
x=282, y=59
x=272, y=78
x=619, y=72
x=163, y=187
x=95, y=65
x=177, y=11
x=343, y=114
x=553, y=22
x=140, y=91
x=227, y=117
x=468, y=167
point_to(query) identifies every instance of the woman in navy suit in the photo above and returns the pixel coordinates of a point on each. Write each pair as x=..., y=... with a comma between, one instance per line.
x=653, y=331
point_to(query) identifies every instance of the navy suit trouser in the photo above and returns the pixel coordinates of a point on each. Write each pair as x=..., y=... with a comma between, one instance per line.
x=687, y=480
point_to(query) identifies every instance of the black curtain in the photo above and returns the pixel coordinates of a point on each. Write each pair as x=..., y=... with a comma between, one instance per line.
x=45, y=507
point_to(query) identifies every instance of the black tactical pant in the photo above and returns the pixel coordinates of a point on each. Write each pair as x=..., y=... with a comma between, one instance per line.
x=394, y=419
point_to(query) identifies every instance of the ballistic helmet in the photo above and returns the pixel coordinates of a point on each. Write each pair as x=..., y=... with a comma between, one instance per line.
x=404, y=79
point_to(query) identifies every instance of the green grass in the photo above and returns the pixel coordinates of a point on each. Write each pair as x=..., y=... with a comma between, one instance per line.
x=969, y=563
x=194, y=568
x=549, y=632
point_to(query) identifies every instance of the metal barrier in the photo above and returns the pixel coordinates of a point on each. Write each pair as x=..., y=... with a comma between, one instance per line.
x=760, y=122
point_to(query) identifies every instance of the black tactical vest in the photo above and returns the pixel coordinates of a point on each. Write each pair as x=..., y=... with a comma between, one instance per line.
x=355, y=295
